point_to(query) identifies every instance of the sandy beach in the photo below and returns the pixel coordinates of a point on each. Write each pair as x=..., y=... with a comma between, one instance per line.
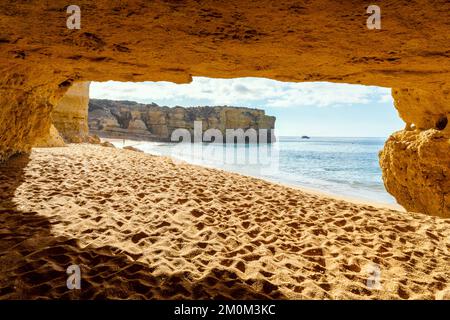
x=143, y=226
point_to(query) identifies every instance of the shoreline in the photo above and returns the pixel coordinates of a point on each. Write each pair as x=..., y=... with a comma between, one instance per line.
x=353, y=199
x=360, y=201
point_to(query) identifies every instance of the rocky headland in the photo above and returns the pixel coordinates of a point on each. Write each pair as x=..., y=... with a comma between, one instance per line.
x=132, y=120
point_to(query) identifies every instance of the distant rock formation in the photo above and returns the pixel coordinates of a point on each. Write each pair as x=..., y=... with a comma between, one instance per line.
x=132, y=120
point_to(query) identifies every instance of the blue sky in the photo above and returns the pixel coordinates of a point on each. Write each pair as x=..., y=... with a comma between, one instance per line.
x=308, y=108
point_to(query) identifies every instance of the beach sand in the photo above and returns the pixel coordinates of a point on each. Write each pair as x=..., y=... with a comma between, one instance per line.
x=142, y=226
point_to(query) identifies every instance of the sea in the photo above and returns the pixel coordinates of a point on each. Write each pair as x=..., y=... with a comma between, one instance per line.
x=346, y=167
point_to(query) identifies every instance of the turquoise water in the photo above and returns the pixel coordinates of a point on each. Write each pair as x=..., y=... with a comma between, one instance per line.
x=339, y=166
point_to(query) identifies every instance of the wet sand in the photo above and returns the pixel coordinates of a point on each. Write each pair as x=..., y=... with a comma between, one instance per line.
x=142, y=226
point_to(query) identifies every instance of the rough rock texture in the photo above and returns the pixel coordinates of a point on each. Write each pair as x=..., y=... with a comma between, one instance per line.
x=416, y=161
x=290, y=40
x=70, y=114
x=52, y=139
x=416, y=168
x=131, y=120
x=24, y=113
x=422, y=109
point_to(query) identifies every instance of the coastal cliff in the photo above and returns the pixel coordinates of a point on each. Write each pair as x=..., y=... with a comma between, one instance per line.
x=132, y=120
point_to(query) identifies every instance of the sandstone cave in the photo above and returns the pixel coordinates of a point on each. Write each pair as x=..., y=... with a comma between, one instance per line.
x=139, y=226
x=175, y=40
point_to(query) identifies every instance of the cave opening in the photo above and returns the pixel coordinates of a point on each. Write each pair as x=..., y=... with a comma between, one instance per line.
x=143, y=226
x=327, y=135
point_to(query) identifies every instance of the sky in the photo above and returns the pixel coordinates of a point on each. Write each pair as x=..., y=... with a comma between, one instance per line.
x=307, y=108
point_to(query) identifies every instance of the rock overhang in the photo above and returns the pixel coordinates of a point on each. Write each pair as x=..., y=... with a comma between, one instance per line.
x=287, y=40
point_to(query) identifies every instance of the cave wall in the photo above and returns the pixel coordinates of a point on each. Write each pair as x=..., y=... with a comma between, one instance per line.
x=416, y=161
x=424, y=109
x=70, y=115
x=287, y=40
x=416, y=170
x=26, y=102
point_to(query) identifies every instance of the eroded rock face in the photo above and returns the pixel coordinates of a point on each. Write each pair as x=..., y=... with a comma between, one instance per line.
x=70, y=114
x=424, y=109
x=131, y=120
x=416, y=170
x=289, y=40
x=26, y=102
x=416, y=161
x=52, y=139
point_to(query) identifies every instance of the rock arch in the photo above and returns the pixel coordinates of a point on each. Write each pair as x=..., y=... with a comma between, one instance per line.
x=289, y=40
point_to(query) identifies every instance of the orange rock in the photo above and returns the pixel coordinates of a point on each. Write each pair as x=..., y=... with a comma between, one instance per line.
x=320, y=40
x=416, y=170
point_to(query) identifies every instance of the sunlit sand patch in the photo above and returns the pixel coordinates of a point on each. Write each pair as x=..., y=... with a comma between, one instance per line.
x=142, y=226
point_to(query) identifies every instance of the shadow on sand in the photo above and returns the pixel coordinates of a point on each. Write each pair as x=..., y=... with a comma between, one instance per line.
x=33, y=262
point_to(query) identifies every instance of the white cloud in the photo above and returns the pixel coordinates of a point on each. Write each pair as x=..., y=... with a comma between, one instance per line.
x=386, y=97
x=251, y=92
